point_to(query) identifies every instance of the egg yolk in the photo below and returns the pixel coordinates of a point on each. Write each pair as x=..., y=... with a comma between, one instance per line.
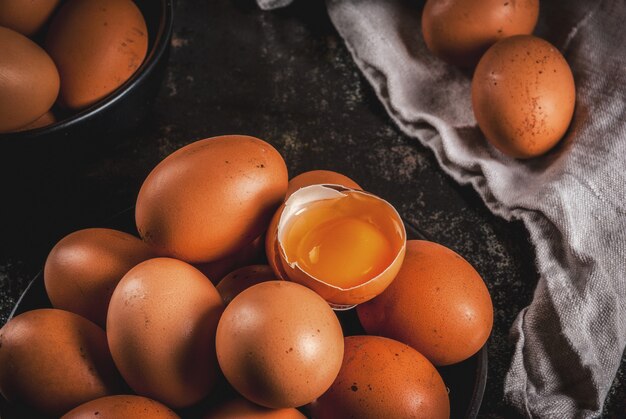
x=335, y=242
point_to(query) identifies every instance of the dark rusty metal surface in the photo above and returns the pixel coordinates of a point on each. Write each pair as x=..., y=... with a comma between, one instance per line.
x=286, y=77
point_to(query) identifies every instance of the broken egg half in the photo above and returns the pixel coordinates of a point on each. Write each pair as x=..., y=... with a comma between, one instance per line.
x=345, y=244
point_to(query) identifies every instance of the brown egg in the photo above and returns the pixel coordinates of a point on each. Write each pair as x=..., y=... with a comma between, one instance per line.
x=317, y=177
x=44, y=120
x=26, y=17
x=279, y=344
x=438, y=304
x=161, y=331
x=29, y=81
x=251, y=254
x=97, y=45
x=241, y=408
x=383, y=378
x=523, y=96
x=346, y=245
x=54, y=360
x=83, y=269
x=243, y=278
x=460, y=31
x=120, y=407
x=210, y=198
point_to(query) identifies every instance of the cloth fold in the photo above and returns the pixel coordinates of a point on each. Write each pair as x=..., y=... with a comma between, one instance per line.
x=272, y=4
x=569, y=341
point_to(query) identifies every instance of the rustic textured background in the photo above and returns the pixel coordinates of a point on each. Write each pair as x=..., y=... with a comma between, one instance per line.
x=286, y=77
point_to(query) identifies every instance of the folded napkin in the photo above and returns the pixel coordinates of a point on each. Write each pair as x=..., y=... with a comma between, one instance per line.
x=570, y=340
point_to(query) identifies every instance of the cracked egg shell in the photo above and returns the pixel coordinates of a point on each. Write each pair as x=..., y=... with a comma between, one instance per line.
x=320, y=177
x=341, y=297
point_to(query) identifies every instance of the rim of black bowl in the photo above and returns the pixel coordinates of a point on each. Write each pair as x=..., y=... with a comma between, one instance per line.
x=480, y=383
x=159, y=48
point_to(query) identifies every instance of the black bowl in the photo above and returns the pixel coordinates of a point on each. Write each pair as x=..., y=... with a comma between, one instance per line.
x=465, y=380
x=120, y=110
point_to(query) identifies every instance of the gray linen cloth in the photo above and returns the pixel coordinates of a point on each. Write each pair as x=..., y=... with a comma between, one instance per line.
x=569, y=341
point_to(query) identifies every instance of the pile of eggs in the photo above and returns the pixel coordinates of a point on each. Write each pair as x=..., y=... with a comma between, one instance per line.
x=523, y=92
x=139, y=329
x=88, y=49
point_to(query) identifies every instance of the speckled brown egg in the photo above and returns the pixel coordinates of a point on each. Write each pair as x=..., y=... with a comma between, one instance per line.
x=161, y=330
x=210, y=198
x=120, y=407
x=29, y=81
x=84, y=267
x=243, y=278
x=240, y=408
x=317, y=177
x=383, y=378
x=26, y=17
x=460, y=31
x=279, y=344
x=97, y=45
x=523, y=96
x=437, y=304
x=53, y=360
